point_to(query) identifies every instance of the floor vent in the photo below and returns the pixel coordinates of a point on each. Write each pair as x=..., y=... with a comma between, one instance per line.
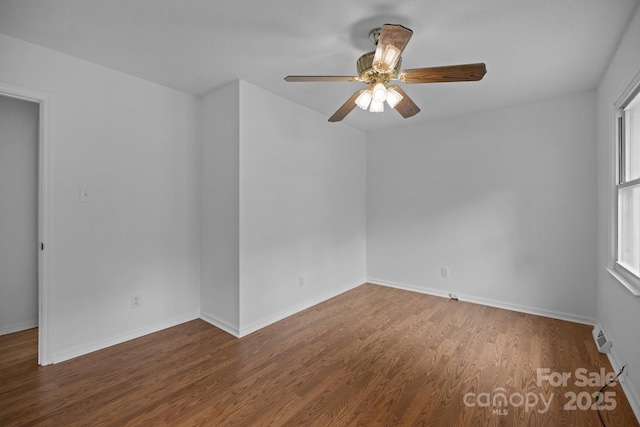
x=602, y=343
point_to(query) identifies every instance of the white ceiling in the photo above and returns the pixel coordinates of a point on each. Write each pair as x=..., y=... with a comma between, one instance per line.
x=533, y=49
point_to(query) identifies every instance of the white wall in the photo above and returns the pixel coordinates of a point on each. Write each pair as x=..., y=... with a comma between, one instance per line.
x=283, y=197
x=220, y=289
x=302, y=207
x=618, y=310
x=135, y=145
x=504, y=199
x=18, y=214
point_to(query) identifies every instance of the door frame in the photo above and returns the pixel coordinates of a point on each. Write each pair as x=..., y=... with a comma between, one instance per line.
x=45, y=193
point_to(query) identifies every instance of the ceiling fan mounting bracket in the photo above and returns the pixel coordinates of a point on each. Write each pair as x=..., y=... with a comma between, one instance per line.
x=374, y=35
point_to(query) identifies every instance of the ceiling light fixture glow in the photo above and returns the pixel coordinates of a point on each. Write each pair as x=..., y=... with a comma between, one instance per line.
x=373, y=98
x=393, y=97
x=376, y=106
x=364, y=99
x=379, y=92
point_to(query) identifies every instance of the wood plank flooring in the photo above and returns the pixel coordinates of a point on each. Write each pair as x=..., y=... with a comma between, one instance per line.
x=373, y=356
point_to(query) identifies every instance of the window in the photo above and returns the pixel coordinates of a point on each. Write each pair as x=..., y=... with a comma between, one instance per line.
x=628, y=188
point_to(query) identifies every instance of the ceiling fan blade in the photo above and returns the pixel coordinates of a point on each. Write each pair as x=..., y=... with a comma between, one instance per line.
x=450, y=73
x=406, y=107
x=392, y=41
x=346, y=108
x=322, y=79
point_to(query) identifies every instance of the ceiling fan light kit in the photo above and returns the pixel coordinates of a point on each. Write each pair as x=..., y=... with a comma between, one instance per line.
x=374, y=97
x=382, y=66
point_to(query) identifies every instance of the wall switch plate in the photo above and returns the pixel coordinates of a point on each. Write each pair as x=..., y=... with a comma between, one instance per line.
x=300, y=281
x=136, y=301
x=85, y=195
x=444, y=272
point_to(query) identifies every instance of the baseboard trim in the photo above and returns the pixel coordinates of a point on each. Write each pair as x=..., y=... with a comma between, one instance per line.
x=220, y=324
x=17, y=327
x=489, y=302
x=61, y=356
x=530, y=310
x=261, y=323
x=406, y=287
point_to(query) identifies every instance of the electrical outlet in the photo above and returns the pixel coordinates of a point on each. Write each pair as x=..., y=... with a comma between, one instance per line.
x=444, y=272
x=301, y=281
x=84, y=195
x=136, y=301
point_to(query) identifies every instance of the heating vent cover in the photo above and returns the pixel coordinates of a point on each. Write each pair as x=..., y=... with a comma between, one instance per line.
x=602, y=343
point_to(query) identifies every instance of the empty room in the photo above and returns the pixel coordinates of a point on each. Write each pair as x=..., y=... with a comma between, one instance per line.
x=293, y=213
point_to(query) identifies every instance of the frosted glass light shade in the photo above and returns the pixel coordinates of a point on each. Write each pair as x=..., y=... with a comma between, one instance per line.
x=376, y=106
x=393, y=97
x=364, y=99
x=379, y=92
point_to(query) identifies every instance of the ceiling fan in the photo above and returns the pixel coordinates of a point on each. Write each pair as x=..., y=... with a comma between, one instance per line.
x=379, y=68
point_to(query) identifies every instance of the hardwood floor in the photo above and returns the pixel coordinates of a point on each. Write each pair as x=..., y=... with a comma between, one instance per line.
x=372, y=356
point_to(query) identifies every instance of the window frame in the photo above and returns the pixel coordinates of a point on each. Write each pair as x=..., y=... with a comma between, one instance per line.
x=627, y=277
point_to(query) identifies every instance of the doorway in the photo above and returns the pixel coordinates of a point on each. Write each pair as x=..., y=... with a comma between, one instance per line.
x=18, y=214
x=25, y=206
